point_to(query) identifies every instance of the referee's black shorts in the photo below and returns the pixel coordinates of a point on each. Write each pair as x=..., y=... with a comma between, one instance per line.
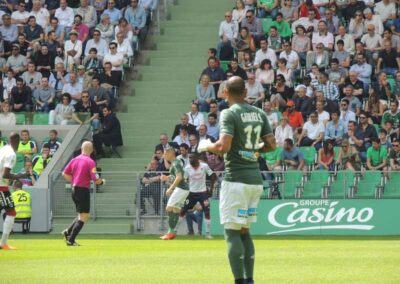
x=6, y=201
x=81, y=198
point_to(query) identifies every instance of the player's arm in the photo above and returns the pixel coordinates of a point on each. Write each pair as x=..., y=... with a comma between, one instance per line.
x=67, y=177
x=8, y=175
x=222, y=146
x=269, y=143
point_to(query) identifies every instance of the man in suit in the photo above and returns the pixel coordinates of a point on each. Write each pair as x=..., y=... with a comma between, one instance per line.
x=164, y=144
x=110, y=133
x=191, y=129
x=203, y=133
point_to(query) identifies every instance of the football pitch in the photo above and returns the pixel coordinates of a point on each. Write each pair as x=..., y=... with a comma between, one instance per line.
x=124, y=259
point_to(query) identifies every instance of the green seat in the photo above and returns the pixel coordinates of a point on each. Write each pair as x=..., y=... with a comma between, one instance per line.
x=19, y=164
x=292, y=180
x=40, y=119
x=313, y=187
x=224, y=65
x=392, y=187
x=20, y=118
x=309, y=155
x=340, y=184
x=336, y=151
x=367, y=185
x=266, y=24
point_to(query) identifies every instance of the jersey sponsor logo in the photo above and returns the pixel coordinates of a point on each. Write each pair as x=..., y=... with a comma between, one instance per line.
x=248, y=155
x=242, y=213
x=251, y=117
x=252, y=212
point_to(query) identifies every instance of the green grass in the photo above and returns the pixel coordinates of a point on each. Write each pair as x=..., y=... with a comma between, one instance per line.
x=110, y=259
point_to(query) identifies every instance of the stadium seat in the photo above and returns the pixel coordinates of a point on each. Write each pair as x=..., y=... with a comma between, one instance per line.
x=314, y=186
x=40, y=119
x=310, y=155
x=20, y=118
x=224, y=65
x=266, y=24
x=392, y=187
x=336, y=150
x=292, y=181
x=340, y=183
x=367, y=185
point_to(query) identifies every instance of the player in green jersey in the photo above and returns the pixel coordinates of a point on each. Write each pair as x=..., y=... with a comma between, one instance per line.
x=244, y=131
x=177, y=192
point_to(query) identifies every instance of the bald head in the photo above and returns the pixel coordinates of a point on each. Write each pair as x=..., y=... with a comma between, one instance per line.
x=14, y=140
x=236, y=87
x=87, y=148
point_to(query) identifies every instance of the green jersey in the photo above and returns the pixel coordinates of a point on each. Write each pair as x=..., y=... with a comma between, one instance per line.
x=176, y=167
x=395, y=118
x=246, y=124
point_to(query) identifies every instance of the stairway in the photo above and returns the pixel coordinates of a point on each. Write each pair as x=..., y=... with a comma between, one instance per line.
x=154, y=102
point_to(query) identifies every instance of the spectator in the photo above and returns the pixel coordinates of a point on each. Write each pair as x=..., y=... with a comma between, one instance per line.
x=40, y=162
x=341, y=55
x=60, y=56
x=9, y=82
x=110, y=133
x=44, y=96
x=62, y=115
x=309, y=23
x=335, y=129
x=323, y=116
x=196, y=118
x=356, y=26
x=301, y=43
x=44, y=61
x=136, y=17
x=58, y=79
x=354, y=103
x=228, y=31
x=336, y=74
x=9, y=32
x=384, y=139
x=214, y=109
x=391, y=132
x=288, y=11
x=302, y=102
x=356, y=138
x=388, y=60
x=295, y=118
x=254, y=91
x=392, y=114
x=368, y=130
x=65, y=16
x=34, y=33
x=358, y=86
x=275, y=40
x=83, y=77
x=373, y=44
x=191, y=129
x=106, y=28
x=40, y=13
x=272, y=116
x=215, y=162
x=329, y=105
x=205, y=93
x=184, y=156
x=31, y=77
x=267, y=8
x=98, y=43
x=183, y=137
x=236, y=70
x=89, y=107
x=93, y=64
x=116, y=59
x=88, y=14
x=31, y=180
x=348, y=158
x=291, y=156
x=21, y=97
x=126, y=29
x=109, y=79
x=312, y=133
x=372, y=19
x=265, y=53
x=283, y=131
x=363, y=69
x=382, y=89
x=203, y=133
x=193, y=144
x=163, y=164
x=164, y=144
x=291, y=57
x=73, y=50
x=282, y=26
x=25, y=47
x=74, y=88
x=326, y=155
x=319, y=56
x=16, y=62
x=265, y=74
x=239, y=12
x=215, y=73
x=328, y=88
x=394, y=39
x=323, y=36
x=124, y=47
x=52, y=142
x=7, y=118
x=112, y=12
x=308, y=6
x=99, y=94
x=150, y=188
x=244, y=44
x=331, y=21
x=394, y=156
x=26, y=146
x=253, y=24
x=57, y=29
x=212, y=126
x=376, y=156
x=281, y=93
x=20, y=15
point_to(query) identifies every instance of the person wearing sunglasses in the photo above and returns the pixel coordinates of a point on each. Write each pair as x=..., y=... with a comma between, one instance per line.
x=394, y=156
x=253, y=24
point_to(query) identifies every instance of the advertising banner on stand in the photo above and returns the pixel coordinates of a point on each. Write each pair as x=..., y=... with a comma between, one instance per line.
x=321, y=217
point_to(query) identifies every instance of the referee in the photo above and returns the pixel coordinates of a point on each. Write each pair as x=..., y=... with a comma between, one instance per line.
x=79, y=172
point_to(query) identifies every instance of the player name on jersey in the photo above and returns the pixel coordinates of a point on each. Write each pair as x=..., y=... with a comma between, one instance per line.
x=251, y=117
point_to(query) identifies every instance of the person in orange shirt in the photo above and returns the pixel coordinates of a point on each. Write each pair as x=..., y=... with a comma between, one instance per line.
x=295, y=117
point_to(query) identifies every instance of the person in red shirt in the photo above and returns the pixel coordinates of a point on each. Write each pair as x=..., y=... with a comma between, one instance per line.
x=295, y=117
x=306, y=6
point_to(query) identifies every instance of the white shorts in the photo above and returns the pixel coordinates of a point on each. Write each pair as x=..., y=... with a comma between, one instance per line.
x=238, y=204
x=178, y=198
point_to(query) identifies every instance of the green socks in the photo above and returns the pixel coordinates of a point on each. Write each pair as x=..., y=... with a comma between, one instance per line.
x=248, y=255
x=235, y=253
x=172, y=221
